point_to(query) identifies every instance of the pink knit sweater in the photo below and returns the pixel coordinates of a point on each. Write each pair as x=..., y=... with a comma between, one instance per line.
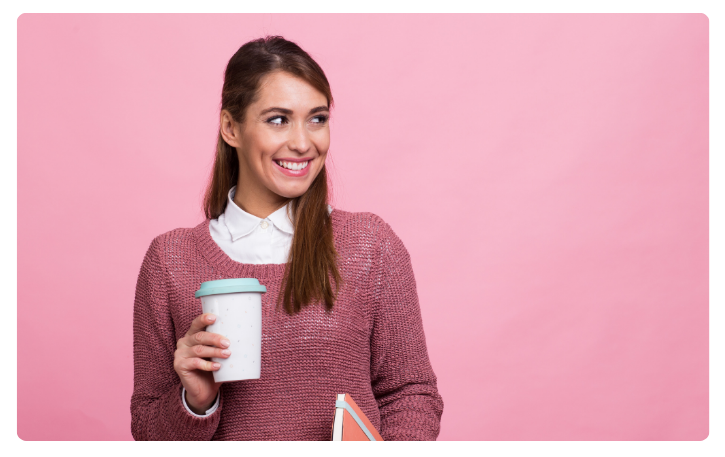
x=371, y=346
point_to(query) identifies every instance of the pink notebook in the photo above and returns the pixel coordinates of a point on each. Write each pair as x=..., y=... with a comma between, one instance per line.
x=350, y=423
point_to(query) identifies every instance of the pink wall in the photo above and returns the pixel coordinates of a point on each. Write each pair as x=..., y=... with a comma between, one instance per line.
x=548, y=174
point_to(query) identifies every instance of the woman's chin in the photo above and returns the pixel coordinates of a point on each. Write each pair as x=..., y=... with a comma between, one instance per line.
x=290, y=189
x=288, y=192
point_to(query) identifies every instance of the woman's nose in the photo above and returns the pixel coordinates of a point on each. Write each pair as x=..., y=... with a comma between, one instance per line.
x=299, y=139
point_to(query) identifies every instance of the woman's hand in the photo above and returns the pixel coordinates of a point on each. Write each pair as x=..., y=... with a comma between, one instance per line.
x=195, y=372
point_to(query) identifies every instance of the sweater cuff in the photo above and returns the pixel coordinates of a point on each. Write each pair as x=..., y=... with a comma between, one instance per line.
x=209, y=411
x=186, y=425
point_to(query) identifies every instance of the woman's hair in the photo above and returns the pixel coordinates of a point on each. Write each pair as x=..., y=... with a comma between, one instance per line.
x=312, y=264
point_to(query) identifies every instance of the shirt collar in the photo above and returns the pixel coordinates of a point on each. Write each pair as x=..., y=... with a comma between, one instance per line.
x=240, y=223
x=280, y=220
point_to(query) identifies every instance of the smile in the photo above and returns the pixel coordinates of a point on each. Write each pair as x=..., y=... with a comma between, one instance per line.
x=292, y=165
x=293, y=169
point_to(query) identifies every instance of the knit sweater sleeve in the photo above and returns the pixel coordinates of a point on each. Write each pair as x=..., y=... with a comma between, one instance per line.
x=402, y=378
x=157, y=410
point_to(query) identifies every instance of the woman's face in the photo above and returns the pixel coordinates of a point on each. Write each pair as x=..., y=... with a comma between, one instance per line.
x=282, y=143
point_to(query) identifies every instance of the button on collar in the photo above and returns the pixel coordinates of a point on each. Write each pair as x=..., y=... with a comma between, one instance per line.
x=264, y=224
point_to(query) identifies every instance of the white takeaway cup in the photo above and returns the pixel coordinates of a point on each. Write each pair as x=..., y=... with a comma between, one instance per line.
x=237, y=305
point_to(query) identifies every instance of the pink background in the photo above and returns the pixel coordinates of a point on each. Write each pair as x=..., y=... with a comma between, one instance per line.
x=547, y=173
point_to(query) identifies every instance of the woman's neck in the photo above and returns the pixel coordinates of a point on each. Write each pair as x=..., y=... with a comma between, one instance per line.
x=260, y=206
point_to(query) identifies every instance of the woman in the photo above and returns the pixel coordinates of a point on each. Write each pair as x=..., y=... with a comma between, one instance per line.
x=341, y=312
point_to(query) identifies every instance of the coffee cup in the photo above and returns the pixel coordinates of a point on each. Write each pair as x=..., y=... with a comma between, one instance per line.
x=237, y=305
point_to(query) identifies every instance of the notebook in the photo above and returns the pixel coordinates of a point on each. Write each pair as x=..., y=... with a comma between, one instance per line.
x=350, y=423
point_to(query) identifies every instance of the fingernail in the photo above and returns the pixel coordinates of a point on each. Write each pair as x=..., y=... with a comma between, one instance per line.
x=211, y=318
x=226, y=352
x=217, y=365
x=225, y=343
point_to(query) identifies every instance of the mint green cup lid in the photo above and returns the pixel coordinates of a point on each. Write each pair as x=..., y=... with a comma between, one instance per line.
x=229, y=286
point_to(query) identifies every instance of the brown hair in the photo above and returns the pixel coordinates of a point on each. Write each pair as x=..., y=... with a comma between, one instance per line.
x=312, y=265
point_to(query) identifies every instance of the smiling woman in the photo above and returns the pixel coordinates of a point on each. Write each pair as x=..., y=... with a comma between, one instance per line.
x=346, y=319
x=275, y=106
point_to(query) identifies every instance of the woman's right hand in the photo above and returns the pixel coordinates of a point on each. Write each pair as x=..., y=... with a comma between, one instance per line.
x=195, y=372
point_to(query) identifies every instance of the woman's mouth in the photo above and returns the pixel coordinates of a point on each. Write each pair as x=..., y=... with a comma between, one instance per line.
x=295, y=169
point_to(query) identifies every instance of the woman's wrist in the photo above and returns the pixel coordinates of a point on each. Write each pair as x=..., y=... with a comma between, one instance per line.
x=200, y=410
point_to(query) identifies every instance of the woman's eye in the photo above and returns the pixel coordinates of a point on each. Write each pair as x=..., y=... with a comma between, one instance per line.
x=319, y=119
x=276, y=120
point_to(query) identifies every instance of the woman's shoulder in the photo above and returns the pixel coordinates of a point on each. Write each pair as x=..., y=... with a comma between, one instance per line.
x=362, y=227
x=367, y=237
x=363, y=222
x=179, y=240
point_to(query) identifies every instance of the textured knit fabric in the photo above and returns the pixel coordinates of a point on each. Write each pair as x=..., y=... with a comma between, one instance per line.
x=371, y=345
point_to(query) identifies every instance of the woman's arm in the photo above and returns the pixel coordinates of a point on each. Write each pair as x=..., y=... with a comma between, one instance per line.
x=157, y=409
x=403, y=381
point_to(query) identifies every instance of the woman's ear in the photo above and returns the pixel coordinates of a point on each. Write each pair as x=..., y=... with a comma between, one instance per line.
x=229, y=129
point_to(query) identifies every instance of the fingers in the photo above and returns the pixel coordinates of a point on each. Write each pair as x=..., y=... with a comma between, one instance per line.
x=200, y=323
x=198, y=345
x=196, y=334
x=207, y=351
x=182, y=364
x=189, y=358
x=208, y=339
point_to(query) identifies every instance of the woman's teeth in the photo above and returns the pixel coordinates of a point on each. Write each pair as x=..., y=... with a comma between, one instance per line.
x=293, y=165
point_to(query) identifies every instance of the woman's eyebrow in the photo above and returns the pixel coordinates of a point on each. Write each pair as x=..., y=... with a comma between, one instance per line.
x=289, y=111
x=274, y=108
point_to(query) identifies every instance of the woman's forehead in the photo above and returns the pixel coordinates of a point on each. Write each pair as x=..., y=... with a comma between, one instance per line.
x=285, y=90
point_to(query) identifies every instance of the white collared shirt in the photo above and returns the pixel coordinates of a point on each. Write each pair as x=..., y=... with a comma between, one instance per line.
x=248, y=239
